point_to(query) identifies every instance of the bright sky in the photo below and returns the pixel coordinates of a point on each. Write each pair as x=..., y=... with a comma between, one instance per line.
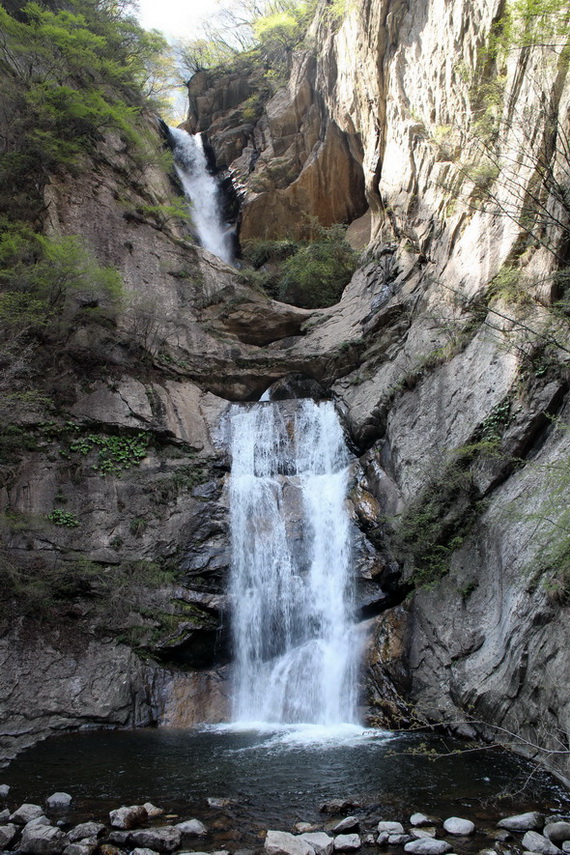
x=175, y=18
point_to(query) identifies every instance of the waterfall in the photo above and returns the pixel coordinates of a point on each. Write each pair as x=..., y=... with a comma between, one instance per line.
x=294, y=642
x=203, y=192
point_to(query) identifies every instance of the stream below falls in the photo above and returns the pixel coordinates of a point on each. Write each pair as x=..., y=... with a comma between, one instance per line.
x=276, y=778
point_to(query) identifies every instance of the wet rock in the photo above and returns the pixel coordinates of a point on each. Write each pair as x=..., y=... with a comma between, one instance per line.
x=4, y=815
x=535, y=842
x=522, y=822
x=7, y=834
x=390, y=827
x=458, y=826
x=334, y=806
x=349, y=823
x=86, y=829
x=25, y=813
x=283, y=843
x=428, y=846
x=85, y=847
x=119, y=838
x=43, y=840
x=321, y=842
x=192, y=828
x=557, y=832
x=419, y=819
x=128, y=817
x=59, y=801
x=152, y=810
x=347, y=842
x=163, y=839
x=4, y=790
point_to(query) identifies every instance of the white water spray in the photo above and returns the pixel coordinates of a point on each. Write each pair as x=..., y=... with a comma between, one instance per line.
x=295, y=645
x=203, y=192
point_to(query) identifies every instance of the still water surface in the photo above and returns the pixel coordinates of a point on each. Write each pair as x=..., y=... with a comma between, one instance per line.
x=275, y=778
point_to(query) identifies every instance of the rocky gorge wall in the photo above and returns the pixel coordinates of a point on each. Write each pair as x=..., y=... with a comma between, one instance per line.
x=453, y=390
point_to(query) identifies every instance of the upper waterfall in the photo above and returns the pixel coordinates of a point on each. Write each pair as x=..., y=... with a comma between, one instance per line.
x=295, y=646
x=203, y=192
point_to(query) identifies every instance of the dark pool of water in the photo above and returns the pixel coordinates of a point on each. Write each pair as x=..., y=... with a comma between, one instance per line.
x=275, y=780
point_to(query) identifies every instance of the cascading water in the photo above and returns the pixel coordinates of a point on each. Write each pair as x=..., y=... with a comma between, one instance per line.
x=203, y=191
x=295, y=645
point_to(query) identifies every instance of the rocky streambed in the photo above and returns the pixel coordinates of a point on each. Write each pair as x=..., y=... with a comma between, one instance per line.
x=145, y=829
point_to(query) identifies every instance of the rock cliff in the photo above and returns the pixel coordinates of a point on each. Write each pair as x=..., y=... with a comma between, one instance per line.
x=448, y=355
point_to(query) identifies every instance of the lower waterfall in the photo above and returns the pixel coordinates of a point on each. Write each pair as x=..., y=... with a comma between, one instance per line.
x=203, y=191
x=294, y=641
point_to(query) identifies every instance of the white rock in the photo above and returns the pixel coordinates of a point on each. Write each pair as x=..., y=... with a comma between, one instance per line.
x=58, y=801
x=165, y=838
x=321, y=842
x=422, y=833
x=428, y=846
x=349, y=823
x=535, y=842
x=43, y=840
x=390, y=827
x=128, y=817
x=39, y=820
x=283, y=843
x=347, y=842
x=457, y=825
x=398, y=839
x=86, y=829
x=566, y=846
x=192, y=828
x=419, y=819
x=522, y=821
x=7, y=834
x=152, y=810
x=25, y=813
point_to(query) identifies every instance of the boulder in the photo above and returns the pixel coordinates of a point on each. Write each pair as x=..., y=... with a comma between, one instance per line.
x=8, y=833
x=128, y=817
x=25, y=813
x=39, y=820
x=460, y=827
x=84, y=847
x=165, y=838
x=43, y=840
x=120, y=838
x=59, y=801
x=428, y=846
x=283, y=843
x=86, y=829
x=321, y=842
x=522, y=822
x=347, y=842
x=557, y=832
x=349, y=823
x=535, y=842
x=192, y=828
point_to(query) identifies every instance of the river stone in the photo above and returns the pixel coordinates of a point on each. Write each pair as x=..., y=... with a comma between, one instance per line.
x=458, y=826
x=368, y=840
x=535, y=842
x=59, y=801
x=128, y=817
x=25, y=813
x=217, y=803
x=398, y=839
x=86, y=829
x=304, y=827
x=347, y=842
x=39, y=820
x=140, y=851
x=4, y=815
x=7, y=834
x=152, y=810
x=428, y=846
x=349, y=823
x=566, y=846
x=283, y=843
x=422, y=833
x=43, y=840
x=557, y=832
x=390, y=827
x=165, y=838
x=119, y=838
x=321, y=842
x=4, y=790
x=85, y=847
x=419, y=819
x=522, y=822
x=192, y=828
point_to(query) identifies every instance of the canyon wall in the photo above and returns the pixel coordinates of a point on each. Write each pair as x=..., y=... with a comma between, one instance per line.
x=444, y=356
